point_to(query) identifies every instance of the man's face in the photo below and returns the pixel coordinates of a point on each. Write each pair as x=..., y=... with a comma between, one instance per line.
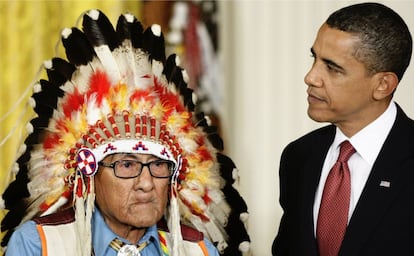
x=130, y=203
x=340, y=89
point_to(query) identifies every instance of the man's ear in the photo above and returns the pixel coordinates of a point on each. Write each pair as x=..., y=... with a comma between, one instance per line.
x=387, y=82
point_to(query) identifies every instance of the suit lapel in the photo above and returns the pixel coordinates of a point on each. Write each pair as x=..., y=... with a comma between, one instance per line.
x=385, y=181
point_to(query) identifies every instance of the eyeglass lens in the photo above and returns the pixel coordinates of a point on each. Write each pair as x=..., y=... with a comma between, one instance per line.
x=132, y=168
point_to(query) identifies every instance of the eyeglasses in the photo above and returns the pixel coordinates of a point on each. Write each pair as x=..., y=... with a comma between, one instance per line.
x=126, y=169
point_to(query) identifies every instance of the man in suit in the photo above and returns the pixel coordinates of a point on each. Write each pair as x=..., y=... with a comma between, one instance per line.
x=360, y=55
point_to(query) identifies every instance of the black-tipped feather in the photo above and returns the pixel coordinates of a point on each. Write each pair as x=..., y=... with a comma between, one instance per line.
x=154, y=45
x=46, y=99
x=214, y=137
x=14, y=216
x=78, y=49
x=235, y=227
x=39, y=124
x=171, y=69
x=174, y=73
x=211, y=131
x=6, y=238
x=188, y=99
x=100, y=31
x=17, y=190
x=63, y=68
x=201, y=120
x=130, y=30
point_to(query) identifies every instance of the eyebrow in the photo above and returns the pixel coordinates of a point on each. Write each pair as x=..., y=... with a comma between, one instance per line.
x=328, y=62
x=120, y=156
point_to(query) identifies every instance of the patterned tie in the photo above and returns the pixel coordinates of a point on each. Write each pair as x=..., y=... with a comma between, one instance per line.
x=334, y=208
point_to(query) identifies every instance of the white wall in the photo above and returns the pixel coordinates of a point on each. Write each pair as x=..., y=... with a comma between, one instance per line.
x=265, y=50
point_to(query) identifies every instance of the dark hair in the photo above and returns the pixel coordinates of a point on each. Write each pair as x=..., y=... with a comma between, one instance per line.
x=385, y=41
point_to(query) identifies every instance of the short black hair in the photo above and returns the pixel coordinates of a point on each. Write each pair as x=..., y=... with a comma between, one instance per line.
x=385, y=41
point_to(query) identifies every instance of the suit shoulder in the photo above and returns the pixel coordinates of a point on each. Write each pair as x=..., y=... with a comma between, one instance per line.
x=315, y=136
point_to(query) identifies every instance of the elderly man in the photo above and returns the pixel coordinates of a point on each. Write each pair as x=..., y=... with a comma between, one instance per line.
x=117, y=162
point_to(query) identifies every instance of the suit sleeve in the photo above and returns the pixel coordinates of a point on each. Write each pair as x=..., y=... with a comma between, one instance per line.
x=280, y=243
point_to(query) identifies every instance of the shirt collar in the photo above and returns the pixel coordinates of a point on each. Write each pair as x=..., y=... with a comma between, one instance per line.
x=368, y=142
x=101, y=242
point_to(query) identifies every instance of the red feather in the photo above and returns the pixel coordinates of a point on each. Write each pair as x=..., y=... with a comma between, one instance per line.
x=204, y=153
x=61, y=125
x=73, y=103
x=51, y=141
x=169, y=100
x=206, y=198
x=141, y=94
x=99, y=85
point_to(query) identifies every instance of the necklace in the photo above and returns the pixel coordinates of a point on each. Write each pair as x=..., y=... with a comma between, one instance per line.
x=124, y=249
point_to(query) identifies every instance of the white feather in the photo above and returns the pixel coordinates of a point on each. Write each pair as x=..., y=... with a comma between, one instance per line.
x=244, y=217
x=124, y=56
x=32, y=102
x=186, y=78
x=187, y=144
x=15, y=168
x=244, y=246
x=108, y=61
x=157, y=68
x=2, y=204
x=219, y=212
x=48, y=64
x=156, y=29
x=81, y=77
x=216, y=235
x=37, y=88
x=175, y=228
x=22, y=149
x=29, y=128
x=93, y=111
x=66, y=32
x=93, y=14
x=67, y=88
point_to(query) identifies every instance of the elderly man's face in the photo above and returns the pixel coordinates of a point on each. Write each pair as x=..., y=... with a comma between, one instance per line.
x=135, y=203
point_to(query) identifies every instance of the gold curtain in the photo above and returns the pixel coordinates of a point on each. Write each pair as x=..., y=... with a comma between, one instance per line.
x=29, y=33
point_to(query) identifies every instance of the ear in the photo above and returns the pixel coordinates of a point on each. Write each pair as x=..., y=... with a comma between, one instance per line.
x=387, y=82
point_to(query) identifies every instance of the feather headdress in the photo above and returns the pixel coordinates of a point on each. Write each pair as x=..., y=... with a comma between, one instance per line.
x=117, y=92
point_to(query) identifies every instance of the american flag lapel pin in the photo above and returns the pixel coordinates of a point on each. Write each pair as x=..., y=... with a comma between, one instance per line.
x=385, y=184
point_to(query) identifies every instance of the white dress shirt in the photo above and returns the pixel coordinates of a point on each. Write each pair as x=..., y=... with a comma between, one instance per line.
x=367, y=143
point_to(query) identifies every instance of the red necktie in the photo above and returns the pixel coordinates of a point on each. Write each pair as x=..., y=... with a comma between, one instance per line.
x=334, y=208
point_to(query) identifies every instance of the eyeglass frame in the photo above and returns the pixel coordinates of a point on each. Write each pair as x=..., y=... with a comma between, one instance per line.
x=148, y=164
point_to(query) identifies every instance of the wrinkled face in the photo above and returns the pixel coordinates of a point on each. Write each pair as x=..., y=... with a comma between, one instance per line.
x=130, y=203
x=340, y=89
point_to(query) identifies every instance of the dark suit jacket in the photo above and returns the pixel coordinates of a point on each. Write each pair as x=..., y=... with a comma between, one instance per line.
x=383, y=220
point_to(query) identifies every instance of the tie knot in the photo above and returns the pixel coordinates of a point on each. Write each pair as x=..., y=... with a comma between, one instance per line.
x=346, y=151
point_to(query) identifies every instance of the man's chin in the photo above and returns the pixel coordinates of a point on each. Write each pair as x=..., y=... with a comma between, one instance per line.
x=316, y=116
x=144, y=217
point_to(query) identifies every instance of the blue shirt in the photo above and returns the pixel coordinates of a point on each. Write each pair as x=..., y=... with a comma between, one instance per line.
x=26, y=241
